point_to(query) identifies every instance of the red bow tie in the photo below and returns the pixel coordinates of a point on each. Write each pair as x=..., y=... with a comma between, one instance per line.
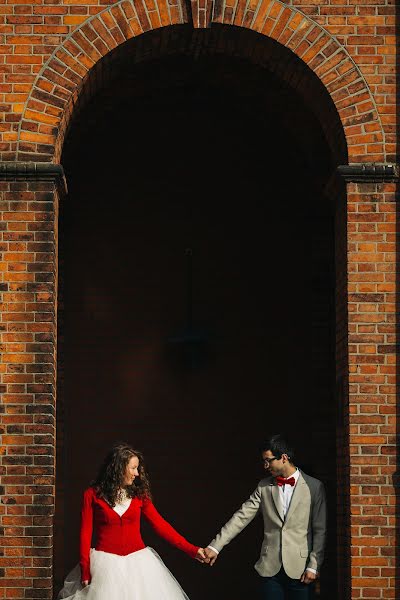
x=282, y=481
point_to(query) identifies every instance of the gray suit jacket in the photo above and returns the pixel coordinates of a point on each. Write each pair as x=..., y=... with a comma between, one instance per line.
x=297, y=541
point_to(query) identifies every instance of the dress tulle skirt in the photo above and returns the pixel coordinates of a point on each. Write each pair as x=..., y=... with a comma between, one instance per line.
x=141, y=575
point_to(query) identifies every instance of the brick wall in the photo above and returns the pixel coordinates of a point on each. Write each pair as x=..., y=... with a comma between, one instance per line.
x=48, y=52
x=372, y=387
x=336, y=191
x=27, y=379
x=47, y=56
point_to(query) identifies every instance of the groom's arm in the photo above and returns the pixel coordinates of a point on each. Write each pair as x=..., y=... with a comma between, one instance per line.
x=318, y=524
x=235, y=525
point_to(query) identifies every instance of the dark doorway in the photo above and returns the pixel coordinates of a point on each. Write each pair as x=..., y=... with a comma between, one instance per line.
x=215, y=154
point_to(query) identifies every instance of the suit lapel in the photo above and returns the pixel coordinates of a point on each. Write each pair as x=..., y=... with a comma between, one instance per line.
x=296, y=497
x=277, y=500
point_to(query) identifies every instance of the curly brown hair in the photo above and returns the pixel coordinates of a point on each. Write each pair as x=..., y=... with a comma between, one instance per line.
x=110, y=478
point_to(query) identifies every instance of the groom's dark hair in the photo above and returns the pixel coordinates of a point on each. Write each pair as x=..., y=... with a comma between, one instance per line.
x=278, y=446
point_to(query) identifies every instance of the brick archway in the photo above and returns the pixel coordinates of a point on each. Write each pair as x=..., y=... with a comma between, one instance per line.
x=57, y=88
x=365, y=246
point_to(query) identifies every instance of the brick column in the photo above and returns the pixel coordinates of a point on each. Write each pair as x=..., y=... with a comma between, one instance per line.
x=28, y=294
x=336, y=192
x=371, y=259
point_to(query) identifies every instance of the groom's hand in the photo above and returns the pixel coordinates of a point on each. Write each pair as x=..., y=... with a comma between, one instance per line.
x=211, y=556
x=308, y=577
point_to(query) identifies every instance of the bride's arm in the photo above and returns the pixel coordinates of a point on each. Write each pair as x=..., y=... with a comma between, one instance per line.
x=166, y=531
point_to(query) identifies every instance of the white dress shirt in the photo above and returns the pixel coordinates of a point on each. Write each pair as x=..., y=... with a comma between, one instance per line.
x=286, y=492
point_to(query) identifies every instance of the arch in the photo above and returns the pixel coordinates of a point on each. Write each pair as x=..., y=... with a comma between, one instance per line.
x=58, y=85
x=197, y=177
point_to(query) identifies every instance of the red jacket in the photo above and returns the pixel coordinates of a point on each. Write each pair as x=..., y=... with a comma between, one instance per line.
x=121, y=535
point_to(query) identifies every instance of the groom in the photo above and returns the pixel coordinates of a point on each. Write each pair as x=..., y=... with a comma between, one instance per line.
x=293, y=507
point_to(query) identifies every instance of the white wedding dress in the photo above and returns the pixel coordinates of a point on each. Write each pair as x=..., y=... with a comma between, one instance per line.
x=141, y=575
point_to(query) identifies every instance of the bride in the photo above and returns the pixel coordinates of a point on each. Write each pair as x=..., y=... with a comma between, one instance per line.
x=121, y=566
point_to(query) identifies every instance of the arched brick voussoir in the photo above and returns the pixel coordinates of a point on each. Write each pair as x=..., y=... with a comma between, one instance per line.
x=56, y=89
x=57, y=85
x=322, y=53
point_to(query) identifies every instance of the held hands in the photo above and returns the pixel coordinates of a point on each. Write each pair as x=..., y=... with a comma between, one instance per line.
x=201, y=556
x=85, y=583
x=206, y=556
x=211, y=556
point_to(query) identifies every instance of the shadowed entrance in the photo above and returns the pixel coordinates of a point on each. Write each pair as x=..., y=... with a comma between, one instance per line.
x=215, y=154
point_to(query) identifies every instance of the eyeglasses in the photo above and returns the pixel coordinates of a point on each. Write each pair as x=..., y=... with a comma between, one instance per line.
x=268, y=460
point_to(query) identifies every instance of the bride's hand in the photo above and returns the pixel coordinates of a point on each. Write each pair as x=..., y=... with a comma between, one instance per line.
x=200, y=556
x=85, y=583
